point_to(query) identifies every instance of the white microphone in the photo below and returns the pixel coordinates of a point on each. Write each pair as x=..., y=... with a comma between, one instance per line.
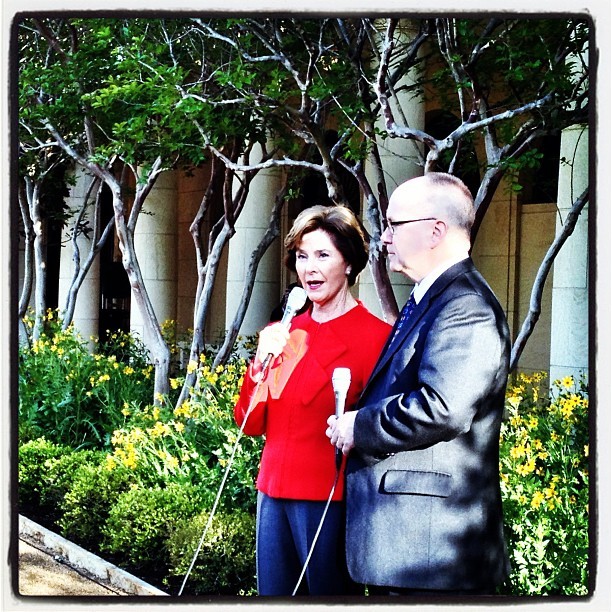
x=341, y=381
x=295, y=301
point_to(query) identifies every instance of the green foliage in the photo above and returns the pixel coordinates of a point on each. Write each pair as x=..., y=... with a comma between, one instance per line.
x=193, y=442
x=87, y=504
x=45, y=473
x=545, y=486
x=226, y=562
x=145, y=501
x=141, y=521
x=73, y=397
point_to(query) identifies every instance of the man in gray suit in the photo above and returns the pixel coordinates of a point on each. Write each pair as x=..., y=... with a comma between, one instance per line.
x=424, y=512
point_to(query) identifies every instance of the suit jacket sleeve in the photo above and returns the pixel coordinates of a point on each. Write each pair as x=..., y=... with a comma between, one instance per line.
x=438, y=380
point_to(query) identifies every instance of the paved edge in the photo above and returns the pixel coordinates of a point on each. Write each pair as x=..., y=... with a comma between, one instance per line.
x=83, y=560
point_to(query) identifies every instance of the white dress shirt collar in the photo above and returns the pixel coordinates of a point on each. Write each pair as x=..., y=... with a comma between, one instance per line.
x=420, y=289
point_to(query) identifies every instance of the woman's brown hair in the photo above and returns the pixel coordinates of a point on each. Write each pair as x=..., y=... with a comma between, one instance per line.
x=344, y=228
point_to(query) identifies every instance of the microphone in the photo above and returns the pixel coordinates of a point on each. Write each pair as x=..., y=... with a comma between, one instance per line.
x=295, y=301
x=341, y=381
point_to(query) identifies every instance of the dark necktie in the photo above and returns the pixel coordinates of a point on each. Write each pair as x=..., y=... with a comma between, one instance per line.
x=409, y=306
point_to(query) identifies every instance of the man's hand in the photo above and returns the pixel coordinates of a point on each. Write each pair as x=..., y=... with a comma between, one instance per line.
x=340, y=431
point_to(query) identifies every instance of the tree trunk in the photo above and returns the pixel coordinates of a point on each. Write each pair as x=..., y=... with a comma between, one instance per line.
x=160, y=353
x=271, y=233
x=197, y=342
x=535, y=302
x=40, y=258
x=99, y=238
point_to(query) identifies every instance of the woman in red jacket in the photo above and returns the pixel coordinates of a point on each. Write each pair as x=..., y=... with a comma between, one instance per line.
x=327, y=249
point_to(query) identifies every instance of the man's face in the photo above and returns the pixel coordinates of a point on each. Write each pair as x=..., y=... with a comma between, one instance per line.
x=409, y=244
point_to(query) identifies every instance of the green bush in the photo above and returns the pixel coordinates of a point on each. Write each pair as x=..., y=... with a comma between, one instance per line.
x=226, y=562
x=88, y=502
x=545, y=486
x=34, y=490
x=140, y=522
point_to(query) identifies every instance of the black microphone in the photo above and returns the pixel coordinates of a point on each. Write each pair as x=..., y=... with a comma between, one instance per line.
x=295, y=301
x=341, y=381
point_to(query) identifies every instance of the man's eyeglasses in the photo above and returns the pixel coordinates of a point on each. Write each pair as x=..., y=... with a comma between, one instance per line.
x=393, y=224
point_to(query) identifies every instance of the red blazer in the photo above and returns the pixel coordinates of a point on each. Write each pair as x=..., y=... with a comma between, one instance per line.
x=295, y=401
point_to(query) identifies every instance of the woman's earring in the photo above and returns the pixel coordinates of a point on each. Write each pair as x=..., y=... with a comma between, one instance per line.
x=348, y=271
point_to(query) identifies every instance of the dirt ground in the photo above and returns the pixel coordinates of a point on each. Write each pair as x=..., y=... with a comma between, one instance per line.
x=40, y=574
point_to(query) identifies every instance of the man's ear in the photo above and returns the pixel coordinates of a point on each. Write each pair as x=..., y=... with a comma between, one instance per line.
x=439, y=231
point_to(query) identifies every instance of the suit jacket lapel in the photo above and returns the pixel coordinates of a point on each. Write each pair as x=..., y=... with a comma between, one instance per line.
x=441, y=283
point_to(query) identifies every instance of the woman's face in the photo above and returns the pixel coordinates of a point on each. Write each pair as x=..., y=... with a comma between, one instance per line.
x=320, y=267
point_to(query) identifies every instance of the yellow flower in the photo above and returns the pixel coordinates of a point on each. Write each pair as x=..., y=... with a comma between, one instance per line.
x=174, y=383
x=516, y=452
x=159, y=429
x=172, y=462
x=128, y=370
x=537, y=499
x=568, y=382
x=192, y=366
x=514, y=401
x=526, y=468
x=111, y=464
x=130, y=461
x=586, y=450
x=179, y=427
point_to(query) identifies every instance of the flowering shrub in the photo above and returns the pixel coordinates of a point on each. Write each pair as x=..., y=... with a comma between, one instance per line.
x=192, y=443
x=545, y=485
x=70, y=395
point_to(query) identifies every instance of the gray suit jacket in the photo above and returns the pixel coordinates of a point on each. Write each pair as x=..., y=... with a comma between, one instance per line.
x=422, y=486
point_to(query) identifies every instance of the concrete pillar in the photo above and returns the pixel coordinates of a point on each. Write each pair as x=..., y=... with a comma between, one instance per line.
x=191, y=190
x=569, y=353
x=250, y=227
x=155, y=241
x=402, y=159
x=87, y=309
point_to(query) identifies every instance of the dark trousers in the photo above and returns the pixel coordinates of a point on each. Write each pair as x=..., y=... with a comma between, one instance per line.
x=285, y=531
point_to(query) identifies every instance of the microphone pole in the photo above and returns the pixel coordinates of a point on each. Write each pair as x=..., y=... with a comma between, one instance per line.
x=341, y=381
x=295, y=301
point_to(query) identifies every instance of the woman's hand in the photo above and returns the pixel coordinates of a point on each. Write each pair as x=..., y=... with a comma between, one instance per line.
x=272, y=341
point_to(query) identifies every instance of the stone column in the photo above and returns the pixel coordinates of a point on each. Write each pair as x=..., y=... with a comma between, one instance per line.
x=569, y=353
x=87, y=308
x=155, y=241
x=250, y=227
x=401, y=160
